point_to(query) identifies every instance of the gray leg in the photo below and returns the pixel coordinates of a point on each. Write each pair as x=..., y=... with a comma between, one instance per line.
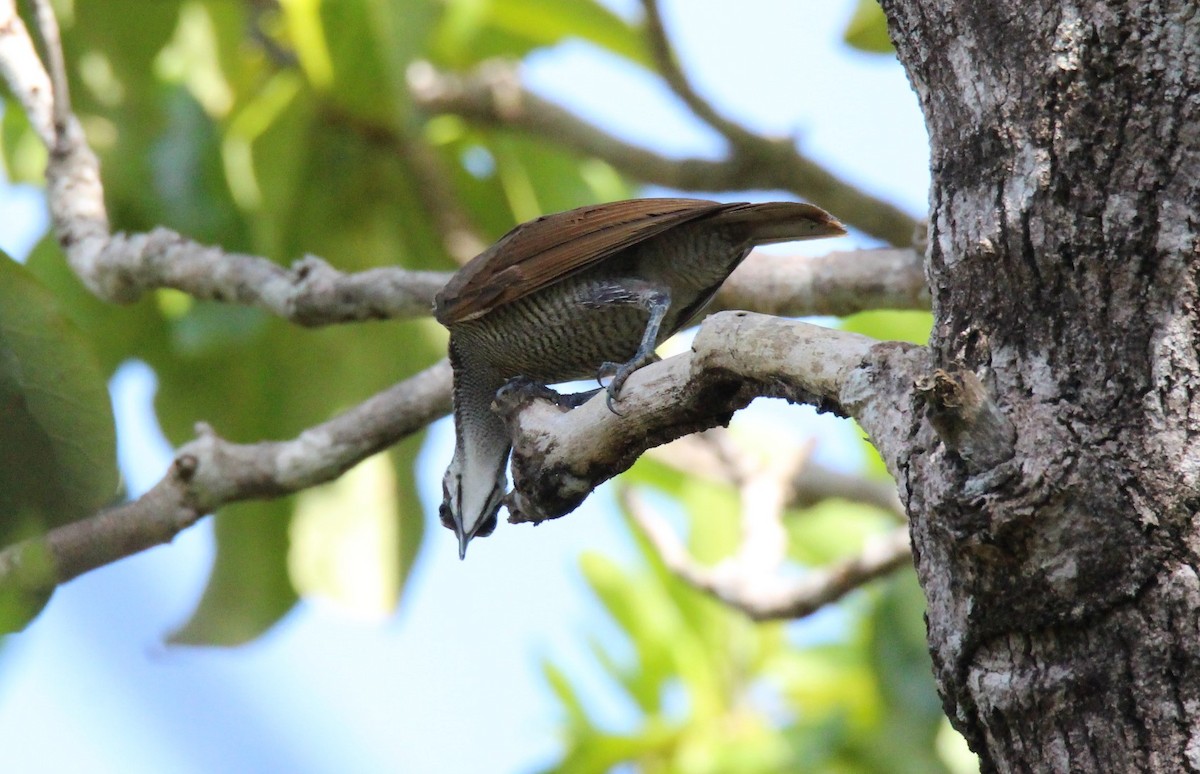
x=656, y=300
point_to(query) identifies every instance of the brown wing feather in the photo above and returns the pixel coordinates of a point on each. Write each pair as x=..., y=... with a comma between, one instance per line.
x=543, y=251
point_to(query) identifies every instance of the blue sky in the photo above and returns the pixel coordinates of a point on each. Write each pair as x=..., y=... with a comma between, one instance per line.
x=451, y=683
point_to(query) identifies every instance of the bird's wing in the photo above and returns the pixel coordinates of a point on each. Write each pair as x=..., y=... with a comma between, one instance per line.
x=546, y=250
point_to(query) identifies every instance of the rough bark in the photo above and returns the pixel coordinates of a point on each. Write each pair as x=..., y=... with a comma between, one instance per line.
x=1064, y=259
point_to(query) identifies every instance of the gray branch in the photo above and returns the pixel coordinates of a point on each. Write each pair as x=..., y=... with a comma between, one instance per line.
x=765, y=596
x=209, y=472
x=737, y=357
x=838, y=284
x=559, y=457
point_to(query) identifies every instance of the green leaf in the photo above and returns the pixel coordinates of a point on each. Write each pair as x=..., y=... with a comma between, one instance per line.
x=343, y=541
x=867, y=29
x=832, y=530
x=28, y=583
x=22, y=150
x=114, y=333
x=900, y=655
x=577, y=717
x=57, y=440
x=474, y=30
x=891, y=324
x=249, y=590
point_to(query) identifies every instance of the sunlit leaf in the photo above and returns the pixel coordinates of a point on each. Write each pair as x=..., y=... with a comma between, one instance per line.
x=832, y=530
x=867, y=29
x=577, y=716
x=474, y=30
x=28, y=583
x=22, y=150
x=343, y=541
x=891, y=324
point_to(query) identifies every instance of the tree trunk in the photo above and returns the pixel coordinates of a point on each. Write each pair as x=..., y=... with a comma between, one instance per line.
x=1064, y=602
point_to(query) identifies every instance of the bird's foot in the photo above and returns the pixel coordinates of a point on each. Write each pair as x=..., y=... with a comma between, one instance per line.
x=619, y=372
x=531, y=389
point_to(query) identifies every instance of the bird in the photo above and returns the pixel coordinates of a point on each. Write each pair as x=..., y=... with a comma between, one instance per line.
x=590, y=292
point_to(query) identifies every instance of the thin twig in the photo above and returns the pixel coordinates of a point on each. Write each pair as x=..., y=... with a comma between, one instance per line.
x=771, y=597
x=52, y=39
x=493, y=96
x=667, y=62
x=816, y=483
x=23, y=72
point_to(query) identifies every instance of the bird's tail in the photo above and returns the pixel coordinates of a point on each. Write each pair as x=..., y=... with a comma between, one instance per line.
x=773, y=222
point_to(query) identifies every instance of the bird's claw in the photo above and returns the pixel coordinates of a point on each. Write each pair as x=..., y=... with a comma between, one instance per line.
x=619, y=372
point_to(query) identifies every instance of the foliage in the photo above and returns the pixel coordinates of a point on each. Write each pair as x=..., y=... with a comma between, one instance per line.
x=304, y=142
x=714, y=692
x=57, y=442
x=301, y=139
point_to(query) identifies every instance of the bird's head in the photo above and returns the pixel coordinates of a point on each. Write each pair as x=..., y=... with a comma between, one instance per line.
x=470, y=511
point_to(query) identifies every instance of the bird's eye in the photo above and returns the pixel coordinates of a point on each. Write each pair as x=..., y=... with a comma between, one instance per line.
x=446, y=517
x=487, y=527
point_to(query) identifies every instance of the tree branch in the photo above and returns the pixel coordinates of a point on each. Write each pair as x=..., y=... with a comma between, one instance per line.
x=52, y=39
x=838, y=284
x=737, y=356
x=493, y=96
x=751, y=580
x=209, y=472
x=23, y=72
x=967, y=419
x=121, y=268
x=766, y=597
x=667, y=62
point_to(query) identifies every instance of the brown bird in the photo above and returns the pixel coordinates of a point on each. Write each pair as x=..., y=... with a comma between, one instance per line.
x=585, y=293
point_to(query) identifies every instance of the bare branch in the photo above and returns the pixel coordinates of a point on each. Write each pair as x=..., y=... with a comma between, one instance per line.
x=765, y=596
x=492, y=95
x=810, y=593
x=52, y=39
x=751, y=580
x=669, y=67
x=814, y=483
x=23, y=72
x=737, y=356
x=209, y=472
x=838, y=284
x=310, y=293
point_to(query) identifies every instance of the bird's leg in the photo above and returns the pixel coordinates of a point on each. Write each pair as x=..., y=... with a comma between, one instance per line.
x=656, y=300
